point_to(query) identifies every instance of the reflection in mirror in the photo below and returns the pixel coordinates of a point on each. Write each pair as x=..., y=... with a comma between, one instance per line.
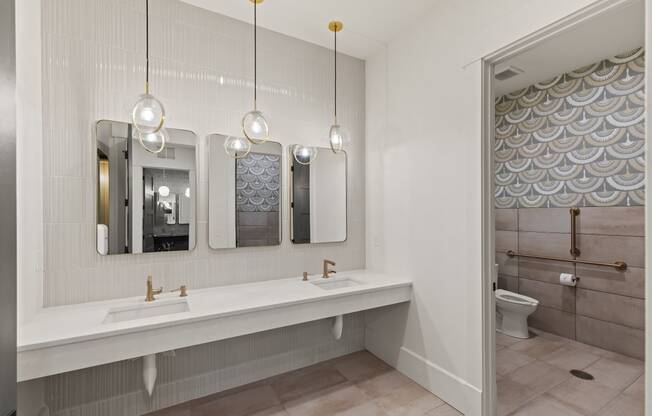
x=145, y=201
x=244, y=196
x=318, y=198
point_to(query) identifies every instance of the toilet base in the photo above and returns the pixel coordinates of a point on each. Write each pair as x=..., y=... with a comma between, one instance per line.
x=512, y=325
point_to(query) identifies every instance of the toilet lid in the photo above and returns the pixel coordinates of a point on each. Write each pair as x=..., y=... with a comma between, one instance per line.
x=512, y=297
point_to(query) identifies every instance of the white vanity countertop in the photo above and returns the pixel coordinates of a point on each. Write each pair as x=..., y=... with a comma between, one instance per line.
x=61, y=325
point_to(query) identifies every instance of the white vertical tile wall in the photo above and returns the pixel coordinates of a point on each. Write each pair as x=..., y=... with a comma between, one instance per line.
x=201, y=63
x=116, y=389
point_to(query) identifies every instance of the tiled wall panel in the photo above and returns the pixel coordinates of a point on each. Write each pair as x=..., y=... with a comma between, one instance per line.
x=116, y=389
x=201, y=68
x=539, y=177
x=575, y=140
x=605, y=299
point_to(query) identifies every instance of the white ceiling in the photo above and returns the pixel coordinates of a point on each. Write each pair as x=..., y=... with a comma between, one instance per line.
x=601, y=37
x=368, y=24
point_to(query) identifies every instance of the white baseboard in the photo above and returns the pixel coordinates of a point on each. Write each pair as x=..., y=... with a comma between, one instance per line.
x=452, y=389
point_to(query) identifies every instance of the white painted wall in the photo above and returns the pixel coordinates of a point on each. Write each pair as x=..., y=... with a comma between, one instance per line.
x=29, y=159
x=423, y=185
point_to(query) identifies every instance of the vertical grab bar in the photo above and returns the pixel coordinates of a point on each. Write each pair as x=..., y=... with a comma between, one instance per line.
x=574, y=213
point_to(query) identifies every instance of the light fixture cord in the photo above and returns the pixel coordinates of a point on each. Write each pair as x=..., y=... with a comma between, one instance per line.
x=255, y=54
x=335, y=98
x=146, y=46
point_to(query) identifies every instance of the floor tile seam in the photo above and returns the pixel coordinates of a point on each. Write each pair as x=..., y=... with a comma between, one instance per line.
x=608, y=403
x=568, y=377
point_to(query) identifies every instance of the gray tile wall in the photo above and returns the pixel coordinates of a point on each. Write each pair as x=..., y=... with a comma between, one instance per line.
x=607, y=307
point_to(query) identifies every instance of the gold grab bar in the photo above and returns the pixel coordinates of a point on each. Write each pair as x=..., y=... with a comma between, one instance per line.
x=574, y=213
x=619, y=265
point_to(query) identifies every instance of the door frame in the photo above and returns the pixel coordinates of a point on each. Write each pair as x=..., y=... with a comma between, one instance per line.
x=489, y=272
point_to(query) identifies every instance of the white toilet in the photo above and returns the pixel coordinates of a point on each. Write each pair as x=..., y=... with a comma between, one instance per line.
x=512, y=310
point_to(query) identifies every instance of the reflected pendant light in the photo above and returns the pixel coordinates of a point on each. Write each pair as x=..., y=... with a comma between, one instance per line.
x=148, y=114
x=336, y=135
x=304, y=155
x=254, y=124
x=237, y=147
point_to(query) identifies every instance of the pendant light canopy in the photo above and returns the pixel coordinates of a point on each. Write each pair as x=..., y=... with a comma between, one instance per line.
x=337, y=135
x=148, y=114
x=254, y=124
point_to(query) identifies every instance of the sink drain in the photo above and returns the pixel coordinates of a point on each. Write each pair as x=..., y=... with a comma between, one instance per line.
x=581, y=374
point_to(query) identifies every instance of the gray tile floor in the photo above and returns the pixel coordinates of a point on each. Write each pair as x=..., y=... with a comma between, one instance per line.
x=534, y=380
x=354, y=385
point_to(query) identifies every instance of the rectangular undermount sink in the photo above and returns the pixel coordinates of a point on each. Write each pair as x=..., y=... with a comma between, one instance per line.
x=146, y=310
x=335, y=283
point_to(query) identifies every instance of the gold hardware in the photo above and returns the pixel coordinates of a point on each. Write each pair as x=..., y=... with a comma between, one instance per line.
x=574, y=213
x=305, y=276
x=618, y=265
x=327, y=271
x=335, y=26
x=256, y=1
x=150, y=291
x=574, y=250
x=183, y=292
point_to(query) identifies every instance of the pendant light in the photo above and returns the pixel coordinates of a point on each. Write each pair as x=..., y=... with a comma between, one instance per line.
x=237, y=147
x=254, y=124
x=337, y=135
x=304, y=155
x=148, y=114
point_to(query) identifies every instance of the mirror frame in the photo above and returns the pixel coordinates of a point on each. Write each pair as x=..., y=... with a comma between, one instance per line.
x=291, y=163
x=96, y=190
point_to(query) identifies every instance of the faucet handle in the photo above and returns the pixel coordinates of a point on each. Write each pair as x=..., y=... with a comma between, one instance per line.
x=183, y=291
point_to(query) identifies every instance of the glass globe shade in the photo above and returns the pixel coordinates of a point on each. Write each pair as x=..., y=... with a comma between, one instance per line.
x=255, y=127
x=153, y=142
x=148, y=114
x=304, y=155
x=163, y=191
x=237, y=147
x=338, y=137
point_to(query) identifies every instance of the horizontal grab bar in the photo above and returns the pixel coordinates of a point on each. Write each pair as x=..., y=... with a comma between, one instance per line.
x=619, y=265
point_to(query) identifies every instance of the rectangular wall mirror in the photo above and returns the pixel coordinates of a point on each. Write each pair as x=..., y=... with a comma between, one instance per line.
x=145, y=201
x=244, y=196
x=318, y=198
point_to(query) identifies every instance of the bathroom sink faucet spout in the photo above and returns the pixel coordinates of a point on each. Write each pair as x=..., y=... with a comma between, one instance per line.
x=151, y=291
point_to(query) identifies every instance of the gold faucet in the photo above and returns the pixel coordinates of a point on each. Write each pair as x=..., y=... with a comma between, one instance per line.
x=327, y=271
x=150, y=291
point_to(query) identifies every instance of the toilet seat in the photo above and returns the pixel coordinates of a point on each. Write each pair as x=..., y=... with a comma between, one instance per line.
x=512, y=311
x=516, y=298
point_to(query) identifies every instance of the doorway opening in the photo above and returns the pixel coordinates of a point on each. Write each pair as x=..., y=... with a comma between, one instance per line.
x=564, y=216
